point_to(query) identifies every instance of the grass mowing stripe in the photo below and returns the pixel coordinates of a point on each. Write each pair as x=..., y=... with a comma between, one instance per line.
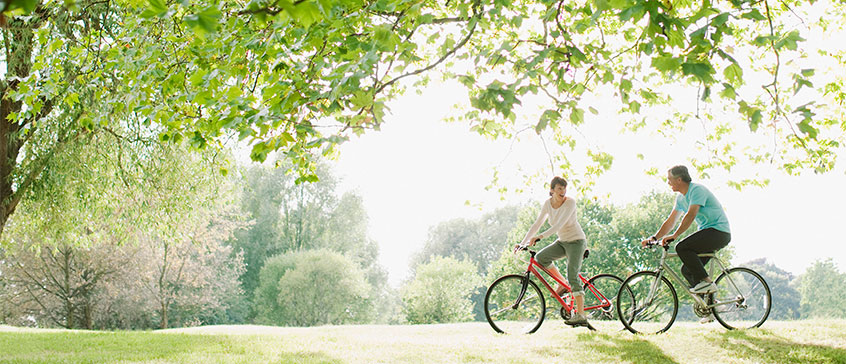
x=814, y=341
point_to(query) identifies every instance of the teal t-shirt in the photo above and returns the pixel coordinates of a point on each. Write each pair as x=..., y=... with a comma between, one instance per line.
x=711, y=213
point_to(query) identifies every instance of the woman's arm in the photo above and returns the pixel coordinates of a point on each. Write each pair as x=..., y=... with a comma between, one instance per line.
x=535, y=227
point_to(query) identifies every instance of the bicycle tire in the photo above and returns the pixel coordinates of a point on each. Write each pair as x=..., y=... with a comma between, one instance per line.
x=502, y=293
x=755, y=293
x=647, y=319
x=609, y=286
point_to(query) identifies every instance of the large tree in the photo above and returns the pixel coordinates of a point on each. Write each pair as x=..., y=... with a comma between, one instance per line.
x=301, y=76
x=290, y=217
x=477, y=240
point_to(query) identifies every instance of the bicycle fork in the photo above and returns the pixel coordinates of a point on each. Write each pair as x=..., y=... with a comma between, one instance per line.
x=522, y=291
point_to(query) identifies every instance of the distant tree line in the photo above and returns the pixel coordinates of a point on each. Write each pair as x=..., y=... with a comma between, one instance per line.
x=614, y=235
x=162, y=239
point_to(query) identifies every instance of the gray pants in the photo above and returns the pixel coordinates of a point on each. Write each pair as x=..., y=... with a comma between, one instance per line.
x=574, y=251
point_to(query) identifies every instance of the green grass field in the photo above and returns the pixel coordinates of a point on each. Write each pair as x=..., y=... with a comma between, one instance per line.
x=818, y=341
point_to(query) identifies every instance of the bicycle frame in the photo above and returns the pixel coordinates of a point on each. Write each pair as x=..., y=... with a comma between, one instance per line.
x=664, y=267
x=532, y=270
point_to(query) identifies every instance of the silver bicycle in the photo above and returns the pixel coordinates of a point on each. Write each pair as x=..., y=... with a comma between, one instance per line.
x=648, y=303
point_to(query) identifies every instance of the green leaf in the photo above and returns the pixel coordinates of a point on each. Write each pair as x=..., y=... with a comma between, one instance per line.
x=676, y=38
x=577, y=116
x=625, y=84
x=259, y=152
x=310, y=178
x=576, y=54
x=386, y=39
x=197, y=78
x=546, y=117
x=701, y=71
x=728, y=92
x=808, y=129
x=156, y=8
x=789, y=41
x=719, y=20
x=666, y=64
x=204, y=21
x=753, y=14
x=634, y=107
x=755, y=120
x=72, y=99
x=361, y=99
x=763, y=40
x=734, y=74
x=634, y=12
x=306, y=13
x=28, y=6
x=801, y=82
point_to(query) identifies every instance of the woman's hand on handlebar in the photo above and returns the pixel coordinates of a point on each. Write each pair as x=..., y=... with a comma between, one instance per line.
x=522, y=246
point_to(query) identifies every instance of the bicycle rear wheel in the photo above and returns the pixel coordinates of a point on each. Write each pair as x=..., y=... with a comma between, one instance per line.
x=647, y=305
x=743, y=299
x=503, y=311
x=607, y=286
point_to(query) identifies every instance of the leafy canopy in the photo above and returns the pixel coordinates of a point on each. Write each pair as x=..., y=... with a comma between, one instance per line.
x=302, y=76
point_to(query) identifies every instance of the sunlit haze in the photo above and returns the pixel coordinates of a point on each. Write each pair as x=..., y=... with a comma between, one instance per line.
x=418, y=171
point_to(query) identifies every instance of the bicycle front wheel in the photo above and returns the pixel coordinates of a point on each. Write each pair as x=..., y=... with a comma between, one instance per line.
x=506, y=314
x=646, y=304
x=601, y=301
x=743, y=299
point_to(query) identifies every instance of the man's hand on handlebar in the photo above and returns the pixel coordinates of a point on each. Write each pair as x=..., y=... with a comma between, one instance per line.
x=652, y=240
x=667, y=240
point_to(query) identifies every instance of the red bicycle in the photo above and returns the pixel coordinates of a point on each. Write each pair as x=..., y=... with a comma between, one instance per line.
x=515, y=304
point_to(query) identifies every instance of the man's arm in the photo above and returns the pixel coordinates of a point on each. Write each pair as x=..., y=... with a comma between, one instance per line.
x=665, y=227
x=685, y=223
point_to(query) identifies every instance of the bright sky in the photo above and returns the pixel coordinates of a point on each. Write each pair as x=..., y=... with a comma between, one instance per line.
x=419, y=171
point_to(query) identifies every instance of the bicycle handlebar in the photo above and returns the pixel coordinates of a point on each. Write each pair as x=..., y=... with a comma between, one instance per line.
x=652, y=243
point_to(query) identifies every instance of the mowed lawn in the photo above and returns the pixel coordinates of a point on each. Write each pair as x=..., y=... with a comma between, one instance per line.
x=812, y=341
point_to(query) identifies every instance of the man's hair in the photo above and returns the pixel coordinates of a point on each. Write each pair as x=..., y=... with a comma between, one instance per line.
x=555, y=182
x=680, y=171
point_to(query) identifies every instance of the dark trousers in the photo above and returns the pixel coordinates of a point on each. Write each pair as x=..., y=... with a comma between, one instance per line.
x=703, y=241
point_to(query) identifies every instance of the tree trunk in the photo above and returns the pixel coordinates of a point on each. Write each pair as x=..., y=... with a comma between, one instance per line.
x=68, y=304
x=86, y=314
x=18, y=66
x=163, y=324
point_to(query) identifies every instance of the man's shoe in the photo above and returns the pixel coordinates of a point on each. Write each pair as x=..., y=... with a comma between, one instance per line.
x=704, y=287
x=707, y=319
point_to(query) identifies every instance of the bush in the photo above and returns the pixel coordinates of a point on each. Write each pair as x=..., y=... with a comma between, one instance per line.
x=440, y=292
x=313, y=287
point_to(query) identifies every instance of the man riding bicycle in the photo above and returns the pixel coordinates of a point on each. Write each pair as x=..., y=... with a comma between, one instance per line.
x=696, y=203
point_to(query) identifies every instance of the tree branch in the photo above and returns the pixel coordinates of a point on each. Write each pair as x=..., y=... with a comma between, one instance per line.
x=476, y=14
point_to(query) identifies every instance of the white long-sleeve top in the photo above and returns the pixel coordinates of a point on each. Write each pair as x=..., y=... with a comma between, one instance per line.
x=562, y=221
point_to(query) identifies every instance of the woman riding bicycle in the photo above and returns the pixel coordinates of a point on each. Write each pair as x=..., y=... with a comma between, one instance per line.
x=699, y=204
x=560, y=211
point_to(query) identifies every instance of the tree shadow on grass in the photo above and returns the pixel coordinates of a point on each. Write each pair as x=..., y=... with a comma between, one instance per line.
x=763, y=346
x=106, y=347
x=632, y=350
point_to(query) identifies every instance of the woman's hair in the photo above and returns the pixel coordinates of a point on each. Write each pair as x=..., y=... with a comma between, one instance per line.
x=555, y=182
x=680, y=171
